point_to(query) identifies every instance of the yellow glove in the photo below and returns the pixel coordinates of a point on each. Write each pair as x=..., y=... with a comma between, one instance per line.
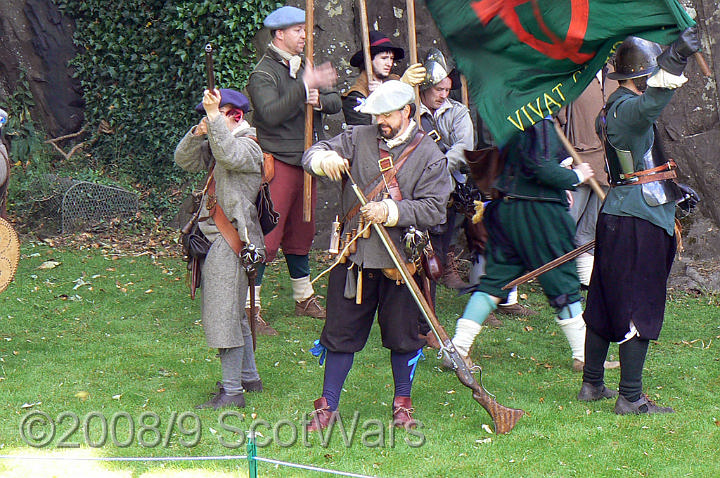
x=414, y=75
x=375, y=212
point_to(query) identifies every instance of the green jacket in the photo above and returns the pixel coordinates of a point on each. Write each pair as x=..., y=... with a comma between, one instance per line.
x=630, y=119
x=278, y=102
x=532, y=166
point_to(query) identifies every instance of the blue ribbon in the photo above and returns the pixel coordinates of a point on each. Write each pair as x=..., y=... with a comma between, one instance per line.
x=319, y=350
x=414, y=361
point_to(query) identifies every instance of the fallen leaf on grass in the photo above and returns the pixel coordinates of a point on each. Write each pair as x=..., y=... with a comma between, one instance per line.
x=487, y=428
x=30, y=405
x=160, y=390
x=49, y=264
x=82, y=395
x=484, y=440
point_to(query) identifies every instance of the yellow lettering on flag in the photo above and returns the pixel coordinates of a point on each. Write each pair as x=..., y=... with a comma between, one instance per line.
x=519, y=125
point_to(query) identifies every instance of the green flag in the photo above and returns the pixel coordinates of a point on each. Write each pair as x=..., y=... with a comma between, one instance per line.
x=524, y=59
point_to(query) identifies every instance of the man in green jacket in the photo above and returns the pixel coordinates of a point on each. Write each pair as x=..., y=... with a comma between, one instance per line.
x=528, y=226
x=280, y=86
x=635, y=233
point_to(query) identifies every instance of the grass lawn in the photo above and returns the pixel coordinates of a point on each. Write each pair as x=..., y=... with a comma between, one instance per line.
x=108, y=346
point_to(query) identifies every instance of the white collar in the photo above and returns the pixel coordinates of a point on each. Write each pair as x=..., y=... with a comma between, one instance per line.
x=402, y=137
x=242, y=126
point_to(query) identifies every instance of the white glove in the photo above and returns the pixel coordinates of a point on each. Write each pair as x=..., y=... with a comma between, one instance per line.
x=375, y=212
x=414, y=75
x=330, y=164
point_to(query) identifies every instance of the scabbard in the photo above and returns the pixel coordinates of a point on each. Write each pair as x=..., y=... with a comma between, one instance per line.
x=252, y=275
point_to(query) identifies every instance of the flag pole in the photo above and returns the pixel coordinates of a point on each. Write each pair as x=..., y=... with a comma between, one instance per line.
x=412, y=43
x=309, y=112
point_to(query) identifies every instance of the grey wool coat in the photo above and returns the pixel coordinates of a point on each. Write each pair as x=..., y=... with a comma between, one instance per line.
x=238, y=176
x=423, y=179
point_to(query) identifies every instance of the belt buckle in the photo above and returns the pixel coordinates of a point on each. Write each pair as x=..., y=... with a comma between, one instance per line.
x=385, y=164
x=434, y=135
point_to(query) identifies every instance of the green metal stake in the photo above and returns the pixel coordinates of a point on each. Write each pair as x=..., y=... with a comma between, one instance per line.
x=252, y=453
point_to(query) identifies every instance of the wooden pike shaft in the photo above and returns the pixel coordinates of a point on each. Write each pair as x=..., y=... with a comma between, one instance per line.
x=412, y=46
x=576, y=159
x=365, y=31
x=309, y=51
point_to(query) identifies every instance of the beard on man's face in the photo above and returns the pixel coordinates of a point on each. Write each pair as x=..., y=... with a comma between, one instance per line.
x=387, y=131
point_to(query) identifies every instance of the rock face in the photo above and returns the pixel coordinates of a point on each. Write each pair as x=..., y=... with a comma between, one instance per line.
x=34, y=37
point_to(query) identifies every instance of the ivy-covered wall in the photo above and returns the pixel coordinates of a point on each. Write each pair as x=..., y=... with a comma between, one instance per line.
x=142, y=68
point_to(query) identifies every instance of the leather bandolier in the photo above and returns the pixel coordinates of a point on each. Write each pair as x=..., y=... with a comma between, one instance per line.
x=656, y=177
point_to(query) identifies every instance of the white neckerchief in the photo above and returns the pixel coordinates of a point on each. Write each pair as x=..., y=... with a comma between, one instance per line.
x=294, y=61
x=402, y=137
x=243, y=125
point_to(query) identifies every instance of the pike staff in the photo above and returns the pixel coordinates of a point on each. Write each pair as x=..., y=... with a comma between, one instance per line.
x=412, y=46
x=309, y=112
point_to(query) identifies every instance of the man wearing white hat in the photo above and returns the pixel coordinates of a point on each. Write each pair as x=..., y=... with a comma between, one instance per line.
x=404, y=175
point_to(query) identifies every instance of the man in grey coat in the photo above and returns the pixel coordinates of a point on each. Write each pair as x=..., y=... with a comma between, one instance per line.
x=224, y=139
x=362, y=287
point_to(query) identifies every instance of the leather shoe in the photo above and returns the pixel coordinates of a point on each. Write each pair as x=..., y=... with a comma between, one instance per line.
x=492, y=321
x=623, y=406
x=321, y=416
x=516, y=309
x=578, y=365
x=402, y=413
x=223, y=400
x=310, y=307
x=591, y=393
x=248, y=386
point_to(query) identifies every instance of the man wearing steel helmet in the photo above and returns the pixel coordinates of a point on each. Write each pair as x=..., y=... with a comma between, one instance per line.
x=635, y=234
x=360, y=289
x=224, y=141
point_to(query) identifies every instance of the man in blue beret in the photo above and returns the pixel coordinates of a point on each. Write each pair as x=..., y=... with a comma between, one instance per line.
x=280, y=86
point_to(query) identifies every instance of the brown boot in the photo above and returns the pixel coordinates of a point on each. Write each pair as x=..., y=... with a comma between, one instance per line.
x=451, y=275
x=492, y=321
x=310, y=307
x=516, y=310
x=402, y=413
x=261, y=327
x=223, y=400
x=321, y=416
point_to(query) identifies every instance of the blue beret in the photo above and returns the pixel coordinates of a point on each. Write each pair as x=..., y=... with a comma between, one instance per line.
x=229, y=97
x=285, y=17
